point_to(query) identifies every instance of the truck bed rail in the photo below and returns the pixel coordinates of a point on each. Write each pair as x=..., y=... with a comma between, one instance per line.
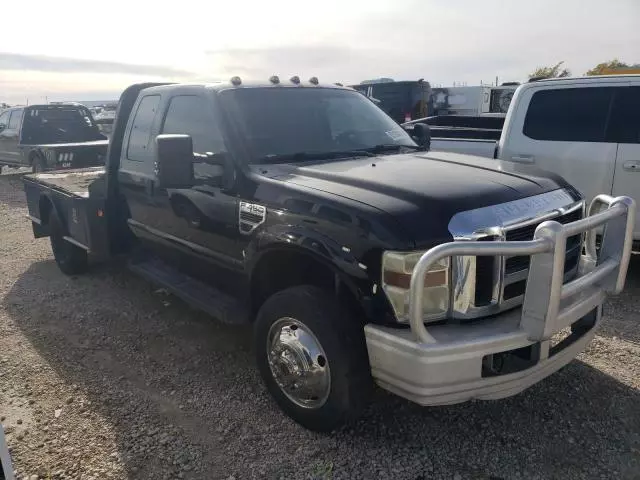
x=546, y=299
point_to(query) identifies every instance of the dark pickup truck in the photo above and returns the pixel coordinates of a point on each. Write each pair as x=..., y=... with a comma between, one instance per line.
x=358, y=256
x=52, y=136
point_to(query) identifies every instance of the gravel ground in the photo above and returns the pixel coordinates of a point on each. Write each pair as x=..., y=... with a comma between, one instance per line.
x=103, y=377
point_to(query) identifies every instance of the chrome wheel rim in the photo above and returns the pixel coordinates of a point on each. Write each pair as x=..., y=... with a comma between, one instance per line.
x=298, y=363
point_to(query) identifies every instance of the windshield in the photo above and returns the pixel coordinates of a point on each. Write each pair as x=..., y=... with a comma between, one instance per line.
x=285, y=122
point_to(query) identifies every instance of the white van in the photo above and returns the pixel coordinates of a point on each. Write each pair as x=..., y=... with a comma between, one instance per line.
x=585, y=129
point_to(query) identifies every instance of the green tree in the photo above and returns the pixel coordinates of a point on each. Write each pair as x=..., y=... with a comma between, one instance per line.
x=614, y=64
x=551, y=72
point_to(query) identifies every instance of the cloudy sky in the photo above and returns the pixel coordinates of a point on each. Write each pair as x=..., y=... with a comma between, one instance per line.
x=71, y=49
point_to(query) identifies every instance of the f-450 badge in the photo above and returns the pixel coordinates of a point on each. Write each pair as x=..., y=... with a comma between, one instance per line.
x=251, y=216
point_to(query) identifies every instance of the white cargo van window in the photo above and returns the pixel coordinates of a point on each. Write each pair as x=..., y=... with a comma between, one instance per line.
x=568, y=114
x=561, y=128
x=624, y=126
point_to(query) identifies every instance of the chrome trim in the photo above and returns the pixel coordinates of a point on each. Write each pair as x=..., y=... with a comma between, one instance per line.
x=546, y=300
x=73, y=241
x=298, y=363
x=34, y=219
x=471, y=223
x=251, y=209
x=497, y=221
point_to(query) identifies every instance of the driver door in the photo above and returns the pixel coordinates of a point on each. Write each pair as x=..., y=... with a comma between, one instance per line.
x=9, y=135
x=199, y=224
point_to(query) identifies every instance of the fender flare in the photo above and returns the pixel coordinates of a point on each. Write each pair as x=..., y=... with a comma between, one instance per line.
x=345, y=267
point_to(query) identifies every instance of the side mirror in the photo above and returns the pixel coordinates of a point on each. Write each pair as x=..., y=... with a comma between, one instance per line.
x=2, y=126
x=174, y=161
x=422, y=135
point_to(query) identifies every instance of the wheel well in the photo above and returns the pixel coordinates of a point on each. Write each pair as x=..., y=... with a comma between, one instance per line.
x=45, y=206
x=283, y=269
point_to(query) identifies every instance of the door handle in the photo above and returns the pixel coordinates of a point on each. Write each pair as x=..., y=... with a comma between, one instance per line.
x=523, y=158
x=632, y=166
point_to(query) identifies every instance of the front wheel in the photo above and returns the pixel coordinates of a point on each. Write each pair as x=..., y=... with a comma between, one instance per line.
x=70, y=258
x=312, y=357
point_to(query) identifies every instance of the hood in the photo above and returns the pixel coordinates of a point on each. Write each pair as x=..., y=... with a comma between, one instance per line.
x=422, y=191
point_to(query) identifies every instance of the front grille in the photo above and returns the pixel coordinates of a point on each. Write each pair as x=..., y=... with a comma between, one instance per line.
x=484, y=280
x=516, y=264
x=515, y=268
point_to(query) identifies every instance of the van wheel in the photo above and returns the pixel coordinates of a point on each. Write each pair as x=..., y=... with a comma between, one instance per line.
x=312, y=357
x=71, y=260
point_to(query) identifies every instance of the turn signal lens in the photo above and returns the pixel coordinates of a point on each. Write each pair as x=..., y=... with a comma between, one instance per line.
x=397, y=269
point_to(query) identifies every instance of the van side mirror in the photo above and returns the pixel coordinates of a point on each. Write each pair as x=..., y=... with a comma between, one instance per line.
x=422, y=135
x=2, y=126
x=174, y=161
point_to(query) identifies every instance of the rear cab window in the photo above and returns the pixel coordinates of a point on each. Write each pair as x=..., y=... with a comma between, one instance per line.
x=4, y=119
x=140, y=134
x=14, y=121
x=569, y=114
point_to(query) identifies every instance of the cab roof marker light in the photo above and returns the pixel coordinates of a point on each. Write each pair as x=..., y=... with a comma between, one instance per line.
x=236, y=81
x=274, y=79
x=314, y=80
x=295, y=80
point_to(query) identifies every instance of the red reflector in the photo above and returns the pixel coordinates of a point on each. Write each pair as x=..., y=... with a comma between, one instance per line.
x=100, y=213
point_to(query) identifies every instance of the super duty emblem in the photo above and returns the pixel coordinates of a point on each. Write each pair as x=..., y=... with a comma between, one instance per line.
x=251, y=216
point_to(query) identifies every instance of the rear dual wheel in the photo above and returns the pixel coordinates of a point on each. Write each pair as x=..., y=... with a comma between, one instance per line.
x=71, y=259
x=312, y=357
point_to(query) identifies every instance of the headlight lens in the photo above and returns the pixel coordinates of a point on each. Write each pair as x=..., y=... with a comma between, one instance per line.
x=397, y=268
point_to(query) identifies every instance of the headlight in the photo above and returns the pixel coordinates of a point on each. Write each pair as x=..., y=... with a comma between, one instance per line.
x=397, y=268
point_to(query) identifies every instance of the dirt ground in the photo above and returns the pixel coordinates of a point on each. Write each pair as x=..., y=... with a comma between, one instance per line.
x=104, y=377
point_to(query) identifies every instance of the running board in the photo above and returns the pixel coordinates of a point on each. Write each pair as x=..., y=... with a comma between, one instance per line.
x=216, y=303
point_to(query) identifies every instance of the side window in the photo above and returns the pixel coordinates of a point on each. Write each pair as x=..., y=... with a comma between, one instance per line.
x=568, y=114
x=4, y=119
x=138, y=147
x=14, y=121
x=192, y=115
x=624, y=126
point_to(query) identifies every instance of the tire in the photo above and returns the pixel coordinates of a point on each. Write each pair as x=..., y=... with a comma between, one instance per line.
x=341, y=358
x=38, y=164
x=71, y=260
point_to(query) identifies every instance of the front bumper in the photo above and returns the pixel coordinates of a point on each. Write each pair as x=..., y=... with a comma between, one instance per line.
x=498, y=357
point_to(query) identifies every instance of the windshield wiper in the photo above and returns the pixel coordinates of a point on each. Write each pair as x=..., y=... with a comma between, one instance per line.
x=301, y=156
x=390, y=147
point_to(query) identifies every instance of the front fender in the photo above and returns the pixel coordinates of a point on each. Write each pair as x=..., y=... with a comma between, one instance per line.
x=309, y=242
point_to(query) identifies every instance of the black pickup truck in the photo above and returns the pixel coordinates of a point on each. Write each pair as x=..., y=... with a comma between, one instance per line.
x=52, y=136
x=358, y=256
